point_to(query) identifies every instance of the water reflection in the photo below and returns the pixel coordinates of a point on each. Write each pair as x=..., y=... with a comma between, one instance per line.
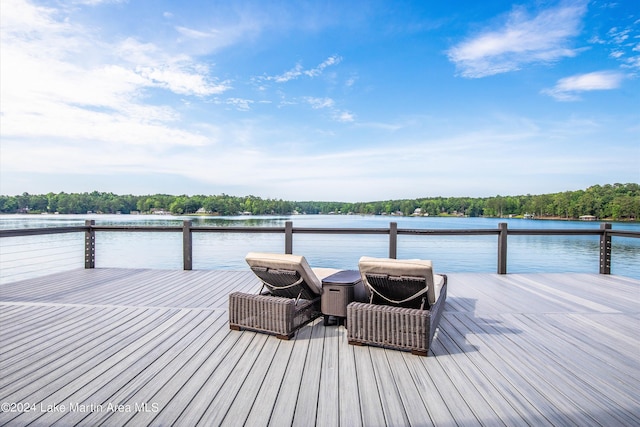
x=227, y=250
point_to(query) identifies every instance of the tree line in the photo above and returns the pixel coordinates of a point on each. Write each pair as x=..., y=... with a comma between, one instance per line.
x=611, y=201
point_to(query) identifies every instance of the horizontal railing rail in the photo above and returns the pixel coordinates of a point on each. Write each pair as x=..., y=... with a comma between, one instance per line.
x=605, y=232
x=21, y=232
x=21, y=258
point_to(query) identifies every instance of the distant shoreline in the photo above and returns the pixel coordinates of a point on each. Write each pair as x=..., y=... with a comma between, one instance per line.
x=618, y=201
x=213, y=215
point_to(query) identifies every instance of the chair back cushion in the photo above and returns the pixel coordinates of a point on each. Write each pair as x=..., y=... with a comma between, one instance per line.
x=401, y=282
x=268, y=266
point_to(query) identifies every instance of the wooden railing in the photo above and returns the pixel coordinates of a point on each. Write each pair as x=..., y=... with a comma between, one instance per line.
x=187, y=229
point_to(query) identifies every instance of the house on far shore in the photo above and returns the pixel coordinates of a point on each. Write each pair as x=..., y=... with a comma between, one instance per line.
x=587, y=218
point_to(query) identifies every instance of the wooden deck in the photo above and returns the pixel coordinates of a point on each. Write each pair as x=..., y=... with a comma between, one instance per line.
x=151, y=347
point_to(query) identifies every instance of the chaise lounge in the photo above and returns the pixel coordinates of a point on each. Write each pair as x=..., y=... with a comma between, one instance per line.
x=289, y=297
x=405, y=305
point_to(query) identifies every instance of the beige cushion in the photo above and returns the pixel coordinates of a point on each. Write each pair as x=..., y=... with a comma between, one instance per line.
x=312, y=276
x=397, y=267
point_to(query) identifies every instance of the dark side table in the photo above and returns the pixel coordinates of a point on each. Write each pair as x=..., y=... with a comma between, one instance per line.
x=338, y=290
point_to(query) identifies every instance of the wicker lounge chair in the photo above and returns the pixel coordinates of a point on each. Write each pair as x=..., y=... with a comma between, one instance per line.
x=405, y=305
x=289, y=298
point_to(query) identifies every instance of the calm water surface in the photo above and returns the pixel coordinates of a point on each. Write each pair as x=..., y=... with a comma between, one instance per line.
x=23, y=257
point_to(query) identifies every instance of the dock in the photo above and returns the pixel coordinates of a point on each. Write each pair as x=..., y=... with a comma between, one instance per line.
x=145, y=347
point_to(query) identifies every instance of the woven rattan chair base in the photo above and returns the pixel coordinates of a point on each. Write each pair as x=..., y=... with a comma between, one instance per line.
x=272, y=315
x=407, y=329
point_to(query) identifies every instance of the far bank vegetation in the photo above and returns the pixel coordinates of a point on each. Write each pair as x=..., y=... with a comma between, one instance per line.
x=617, y=202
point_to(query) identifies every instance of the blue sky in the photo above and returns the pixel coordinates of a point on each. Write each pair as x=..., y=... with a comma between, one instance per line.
x=319, y=100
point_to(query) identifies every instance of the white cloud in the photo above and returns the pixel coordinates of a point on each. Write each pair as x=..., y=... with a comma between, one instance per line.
x=332, y=60
x=328, y=103
x=345, y=117
x=177, y=73
x=196, y=34
x=522, y=40
x=211, y=40
x=62, y=82
x=318, y=103
x=568, y=88
x=299, y=71
x=240, y=103
x=633, y=62
x=619, y=36
x=182, y=79
x=624, y=45
x=351, y=81
x=292, y=74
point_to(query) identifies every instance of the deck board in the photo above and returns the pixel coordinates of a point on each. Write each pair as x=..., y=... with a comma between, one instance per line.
x=517, y=349
x=328, y=399
x=286, y=399
x=348, y=397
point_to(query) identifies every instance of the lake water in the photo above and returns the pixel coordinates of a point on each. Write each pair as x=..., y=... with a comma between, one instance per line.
x=23, y=257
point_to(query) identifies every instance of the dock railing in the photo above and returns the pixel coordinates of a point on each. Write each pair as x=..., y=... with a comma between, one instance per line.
x=90, y=229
